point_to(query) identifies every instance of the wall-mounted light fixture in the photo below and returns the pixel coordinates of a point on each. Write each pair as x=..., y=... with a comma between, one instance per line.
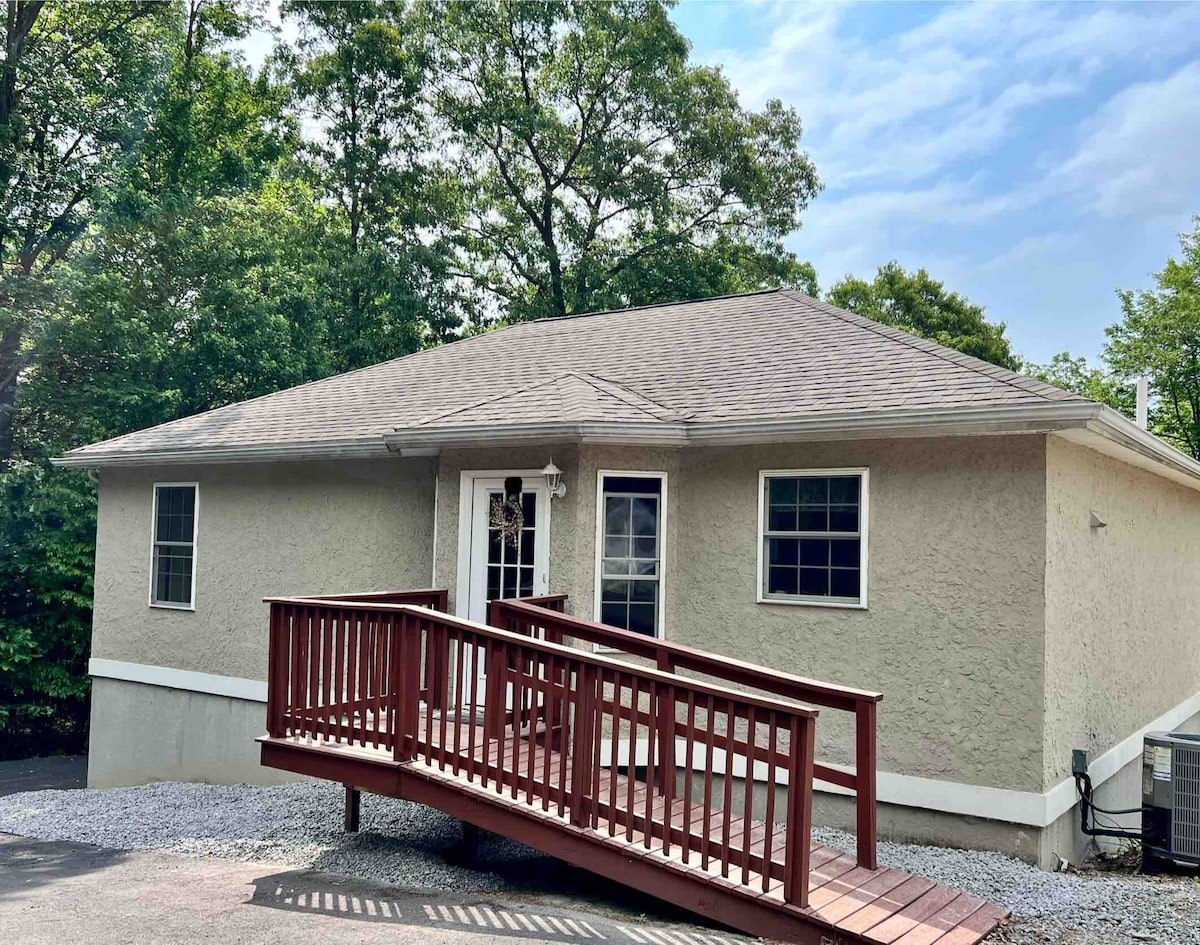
x=554, y=482
x=1095, y=520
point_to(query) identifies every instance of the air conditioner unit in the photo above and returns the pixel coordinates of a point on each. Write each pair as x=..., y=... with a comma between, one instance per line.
x=1170, y=799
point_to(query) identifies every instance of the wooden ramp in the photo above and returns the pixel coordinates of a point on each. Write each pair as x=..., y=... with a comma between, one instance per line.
x=582, y=757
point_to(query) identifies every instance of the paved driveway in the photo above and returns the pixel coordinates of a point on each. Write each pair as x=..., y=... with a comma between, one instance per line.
x=54, y=892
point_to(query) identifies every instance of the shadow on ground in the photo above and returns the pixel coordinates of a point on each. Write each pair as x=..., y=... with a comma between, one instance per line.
x=26, y=864
x=59, y=773
x=528, y=875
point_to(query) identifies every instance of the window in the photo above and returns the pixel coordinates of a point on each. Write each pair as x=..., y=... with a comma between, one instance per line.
x=813, y=528
x=630, y=552
x=173, y=575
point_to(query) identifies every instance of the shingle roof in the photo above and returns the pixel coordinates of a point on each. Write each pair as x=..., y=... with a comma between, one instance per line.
x=767, y=355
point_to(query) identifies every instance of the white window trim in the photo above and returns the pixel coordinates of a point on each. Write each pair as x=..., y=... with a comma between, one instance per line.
x=863, y=524
x=168, y=605
x=660, y=629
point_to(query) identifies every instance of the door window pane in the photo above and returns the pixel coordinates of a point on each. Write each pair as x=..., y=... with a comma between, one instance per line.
x=631, y=544
x=510, y=568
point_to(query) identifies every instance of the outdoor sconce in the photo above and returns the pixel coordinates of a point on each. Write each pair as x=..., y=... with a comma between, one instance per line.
x=554, y=482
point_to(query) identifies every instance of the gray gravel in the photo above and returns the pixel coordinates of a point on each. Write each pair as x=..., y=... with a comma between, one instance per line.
x=406, y=844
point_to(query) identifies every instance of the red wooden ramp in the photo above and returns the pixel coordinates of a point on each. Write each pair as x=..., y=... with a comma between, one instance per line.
x=582, y=756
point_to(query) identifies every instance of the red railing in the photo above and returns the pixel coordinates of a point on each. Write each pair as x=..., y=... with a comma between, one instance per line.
x=539, y=728
x=528, y=618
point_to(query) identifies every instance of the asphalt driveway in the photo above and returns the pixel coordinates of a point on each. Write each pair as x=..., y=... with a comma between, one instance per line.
x=53, y=892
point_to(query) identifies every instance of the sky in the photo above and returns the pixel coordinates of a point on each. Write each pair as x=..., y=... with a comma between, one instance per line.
x=1035, y=157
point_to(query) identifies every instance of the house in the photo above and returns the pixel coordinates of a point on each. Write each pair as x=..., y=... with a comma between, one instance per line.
x=760, y=475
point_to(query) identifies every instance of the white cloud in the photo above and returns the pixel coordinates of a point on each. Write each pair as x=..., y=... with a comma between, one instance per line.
x=1139, y=154
x=907, y=107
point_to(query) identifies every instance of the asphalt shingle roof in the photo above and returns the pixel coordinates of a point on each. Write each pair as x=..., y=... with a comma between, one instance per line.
x=775, y=354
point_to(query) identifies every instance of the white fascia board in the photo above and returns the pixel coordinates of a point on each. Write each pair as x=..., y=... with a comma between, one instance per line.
x=1037, y=418
x=1085, y=422
x=167, y=677
x=370, y=448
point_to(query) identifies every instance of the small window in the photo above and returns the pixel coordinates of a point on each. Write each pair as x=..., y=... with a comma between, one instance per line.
x=814, y=537
x=630, y=531
x=173, y=575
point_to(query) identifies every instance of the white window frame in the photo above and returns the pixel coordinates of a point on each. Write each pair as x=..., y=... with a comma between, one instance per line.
x=660, y=628
x=863, y=524
x=195, y=486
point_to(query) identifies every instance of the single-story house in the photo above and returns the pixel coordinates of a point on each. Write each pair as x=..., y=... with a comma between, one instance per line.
x=761, y=475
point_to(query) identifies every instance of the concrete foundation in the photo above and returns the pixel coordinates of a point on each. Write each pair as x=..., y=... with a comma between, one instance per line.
x=143, y=733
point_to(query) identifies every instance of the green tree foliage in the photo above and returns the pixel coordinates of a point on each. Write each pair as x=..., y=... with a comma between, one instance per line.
x=47, y=525
x=360, y=75
x=922, y=306
x=1159, y=337
x=1079, y=377
x=180, y=231
x=76, y=85
x=599, y=160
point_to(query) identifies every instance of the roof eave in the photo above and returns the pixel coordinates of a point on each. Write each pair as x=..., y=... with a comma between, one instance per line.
x=360, y=448
x=1089, y=423
x=955, y=421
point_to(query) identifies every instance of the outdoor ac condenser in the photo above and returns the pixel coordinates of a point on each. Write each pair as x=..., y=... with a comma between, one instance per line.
x=1170, y=798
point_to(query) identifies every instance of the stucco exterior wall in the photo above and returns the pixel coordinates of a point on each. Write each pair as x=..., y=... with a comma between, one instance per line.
x=1122, y=601
x=952, y=634
x=287, y=528
x=953, y=630
x=565, y=554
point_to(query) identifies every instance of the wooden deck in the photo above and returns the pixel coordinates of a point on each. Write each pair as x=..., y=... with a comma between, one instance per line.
x=530, y=757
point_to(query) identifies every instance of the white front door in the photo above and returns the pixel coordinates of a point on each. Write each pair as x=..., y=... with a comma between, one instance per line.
x=495, y=566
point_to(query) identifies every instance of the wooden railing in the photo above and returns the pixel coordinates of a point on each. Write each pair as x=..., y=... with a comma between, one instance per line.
x=435, y=598
x=528, y=618
x=538, y=730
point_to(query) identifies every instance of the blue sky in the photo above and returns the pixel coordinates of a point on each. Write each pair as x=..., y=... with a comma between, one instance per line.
x=1035, y=157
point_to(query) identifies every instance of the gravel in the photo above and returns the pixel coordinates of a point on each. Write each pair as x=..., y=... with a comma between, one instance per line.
x=300, y=824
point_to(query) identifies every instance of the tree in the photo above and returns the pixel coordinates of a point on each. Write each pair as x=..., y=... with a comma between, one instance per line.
x=1079, y=377
x=922, y=306
x=1159, y=337
x=598, y=159
x=360, y=72
x=76, y=86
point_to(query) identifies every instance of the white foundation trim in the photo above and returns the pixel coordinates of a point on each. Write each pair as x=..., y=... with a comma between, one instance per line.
x=235, y=687
x=952, y=797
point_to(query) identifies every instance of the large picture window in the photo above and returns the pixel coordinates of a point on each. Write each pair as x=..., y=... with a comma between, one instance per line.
x=630, y=538
x=173, y=575
x=813, y=537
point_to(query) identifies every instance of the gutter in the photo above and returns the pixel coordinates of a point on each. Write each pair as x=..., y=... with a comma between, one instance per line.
x=958, y=421
x=87, y=458
x=1089, y=423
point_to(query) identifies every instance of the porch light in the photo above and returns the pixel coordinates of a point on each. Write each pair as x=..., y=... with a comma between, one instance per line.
x=554, y=482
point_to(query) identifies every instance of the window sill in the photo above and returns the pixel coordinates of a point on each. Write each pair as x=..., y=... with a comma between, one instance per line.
x=186, y=608
x=798, y=602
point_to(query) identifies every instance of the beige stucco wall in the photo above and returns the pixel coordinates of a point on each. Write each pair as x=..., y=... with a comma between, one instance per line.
x=1123, y=601
x=566, y=562
x=953, y=630
x=287, y=528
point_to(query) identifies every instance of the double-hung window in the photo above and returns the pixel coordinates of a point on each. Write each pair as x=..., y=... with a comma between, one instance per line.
x=172, y=569
x=813, y=536
x=630, y=538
